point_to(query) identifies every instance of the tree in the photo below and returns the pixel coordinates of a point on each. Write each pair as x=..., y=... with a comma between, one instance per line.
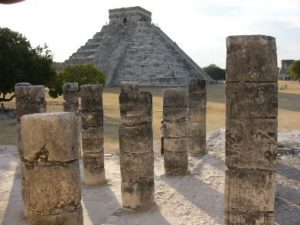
x=81, y=74
x=19, y=62
x=294, y=70
x=215, y=72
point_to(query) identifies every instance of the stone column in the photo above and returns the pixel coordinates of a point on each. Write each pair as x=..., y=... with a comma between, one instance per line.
x=136, y=150
x=92, y=133
x=175, y=131
x=129, y=86
x=251, y=130
x=197, y=117
x=70, y=95
x=50, y=143
x=29, y=99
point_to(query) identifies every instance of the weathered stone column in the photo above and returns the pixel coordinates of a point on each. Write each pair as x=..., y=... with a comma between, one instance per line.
x=175, y=131
x=92, y=133
x=129, y=86
x=50, y=143
x=197, y=117
x=136, y=150
x=70, y=95
x=251, y=130
x=29, y=99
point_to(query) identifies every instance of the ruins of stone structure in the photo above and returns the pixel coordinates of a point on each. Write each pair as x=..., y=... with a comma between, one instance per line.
x=129, y=86
x=92, y=133
x=284, y=70
x=196, y=117
x=71, y=96
x=50, y=165
x=136, y=150
x=29, y=99
x=175, y=131
x=251, y=130
x=131, y=48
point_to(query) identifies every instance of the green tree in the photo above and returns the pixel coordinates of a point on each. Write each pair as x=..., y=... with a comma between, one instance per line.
x=81, y=74
x=19, y=62
x=215, y=72
x=294, y=70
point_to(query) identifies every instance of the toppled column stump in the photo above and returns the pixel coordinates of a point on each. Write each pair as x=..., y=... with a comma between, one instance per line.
x=129, y=86
x=197, y=117
x=29, y=99
x=52, y=188
x=251, y=130
x=175, y=131
x=92, y=134
x=136, y=150
x=71, y=96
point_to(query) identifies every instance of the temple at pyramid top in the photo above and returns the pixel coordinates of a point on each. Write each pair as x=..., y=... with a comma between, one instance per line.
x=131, y=48
x=129, y=15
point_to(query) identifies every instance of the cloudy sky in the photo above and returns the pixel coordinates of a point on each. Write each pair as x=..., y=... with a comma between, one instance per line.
x=199, y=27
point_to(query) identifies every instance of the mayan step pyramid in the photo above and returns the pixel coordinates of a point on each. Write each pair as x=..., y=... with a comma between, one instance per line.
x=131, y=48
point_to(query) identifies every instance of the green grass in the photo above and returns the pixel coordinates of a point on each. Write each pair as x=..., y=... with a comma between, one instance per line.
x=288, y=118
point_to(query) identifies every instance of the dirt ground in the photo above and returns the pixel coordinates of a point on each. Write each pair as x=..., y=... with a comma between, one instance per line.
x=196, y=198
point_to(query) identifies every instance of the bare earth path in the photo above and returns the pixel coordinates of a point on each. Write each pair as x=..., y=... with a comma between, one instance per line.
x=193, y=199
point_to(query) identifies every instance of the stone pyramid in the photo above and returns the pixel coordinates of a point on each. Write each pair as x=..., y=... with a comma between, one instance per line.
x=131, y=48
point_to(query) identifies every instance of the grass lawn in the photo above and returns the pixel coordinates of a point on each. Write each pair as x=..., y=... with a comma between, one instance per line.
x=289, y=112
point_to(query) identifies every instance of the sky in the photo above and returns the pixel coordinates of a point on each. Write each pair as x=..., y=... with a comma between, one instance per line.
x=199, y=27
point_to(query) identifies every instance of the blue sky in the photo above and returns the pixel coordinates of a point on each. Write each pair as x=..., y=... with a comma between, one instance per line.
x=199, y=27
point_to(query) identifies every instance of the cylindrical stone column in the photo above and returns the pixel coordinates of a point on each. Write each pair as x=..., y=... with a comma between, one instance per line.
x=136, y=150
x=50, y=143
x=197, y=117
x=175, y=131
x=71, y=96
x=129, y=86
x=251, y=130
x=29, y=99
x=92, y=133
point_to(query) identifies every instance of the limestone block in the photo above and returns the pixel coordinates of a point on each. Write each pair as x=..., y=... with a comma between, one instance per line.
x=175, y=162
x=94, y=171
x=249, y=190
x=196, y=116
x=93, y=132
x=175, y=128
x=137, y=167
x=135, y=107
x=174, y=114
x=174, y=98
x=70, y=91
x=251, y=143
x=175, y=144
x=197, y=86
x=251, y=100
x=50, y=137
x=197, y=103
x=91, y=97
x=52, y=189
x=92, y=119
x=127, y=86
x=30, y=99
x=249, y=218
x=66, y=218
x=251, y=58
x=137, y=194
x=92, y=144
x=136, y=139
x=197, y=138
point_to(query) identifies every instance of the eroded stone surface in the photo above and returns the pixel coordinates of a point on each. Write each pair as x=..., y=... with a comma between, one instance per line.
x=251, y=58
x=52, y=136
x=251, y=143
x=127, y=86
